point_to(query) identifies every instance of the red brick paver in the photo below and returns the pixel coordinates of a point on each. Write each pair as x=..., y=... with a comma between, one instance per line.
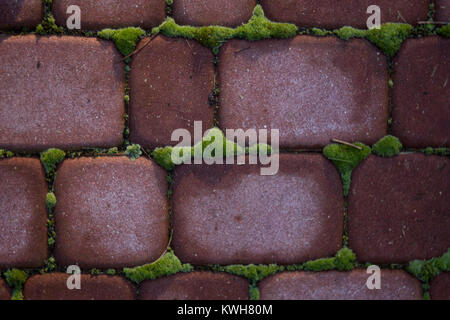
x=440, y=287
x=54, y=287
x=196, y=286
x=398, y=208
x=213, y=12
x=421, y=112
x=111, y=212
x=64, y=92
x=16, y=14
x=23, y=222
x=5, y=292
x=334, y=14
x=231, y=214
x=171, y=80
x=335, y=285
x=99, y=14
x=442, y=10
x=312, y=89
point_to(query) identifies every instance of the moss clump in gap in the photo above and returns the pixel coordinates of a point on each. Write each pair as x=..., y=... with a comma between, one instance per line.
x=125, y=39
x=110, y=272
x=169, y=4
x=346, y=33
x=50, y=201
x=133, y=151
x=164, y=266
x=437, y=151
x=320, y=32
x=50, y=158
x=252, y=272
x=389, y=37
x=387, y=146
x=346, y=158
x=50, y=265
x=425, y=270
x=163, y=157
x=444, y=31
x=6, y=154
x=16, y=278
x=112, y=151
x=254, y=293
x=344, y=260
x=48, y=26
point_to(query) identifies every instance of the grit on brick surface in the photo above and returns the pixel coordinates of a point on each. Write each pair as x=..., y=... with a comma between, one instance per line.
x=5, y=292
x=111, y=212
x=332, y=14
x=212, y=12
x=196, y=286
x=442, y=8
x=230, y=214
x=398, y=208
x=99, y=14
x=15, y=14
x=335, y=285
x=421, y=111
x=23, y=216
x=171, y=81
x=54, y=287
x=64, y=92
x=440, y=287
x=311, y=89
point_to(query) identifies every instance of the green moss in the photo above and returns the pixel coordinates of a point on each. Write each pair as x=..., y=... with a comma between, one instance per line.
x=320, y=32
x=346, y=158
x=110, y=272
x=252, y=272
x=344, y=260
x=164, y=266
x=437, y=151
x=133, y=151
x=5, y=154
x=256, y=149
x=346, y=33
x=51, y=158
x=48, y=26
x=444, y=31
x=254, y=293
x=125, y=39
x=387, y=146
x=426, y=270
x=50, y=265
x=112, y=151
x=163, y=157
x=389, y=37
x=51, y=201
x=15, y=277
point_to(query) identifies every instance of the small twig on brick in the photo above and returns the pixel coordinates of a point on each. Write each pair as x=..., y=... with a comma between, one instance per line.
x=401, y=17
x=241, y=50
x=347, y=143
x=138, y=50
x=433, y=22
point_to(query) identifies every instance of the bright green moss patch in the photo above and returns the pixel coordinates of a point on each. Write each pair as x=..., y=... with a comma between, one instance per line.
x=125, y=39
x=437, y=151
x=48, y=26
x=16, y=278
x=388, y=146
x=345, y=259
x=5, y=154
x=252, y=272
x=164, y=266
x=51, y=158
x=51, y=201
x=320, y=32
x=426, y=270
x=110, y=272
x=346, y=158
x=163, y=157
x=133, y=151
x=389, y=37
x=254, y=293
x=346, y=33
x=444, y=31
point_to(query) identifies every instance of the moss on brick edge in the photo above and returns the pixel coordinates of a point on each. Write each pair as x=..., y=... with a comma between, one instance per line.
x=16, y=278
x=444, y=31
x=436, y=151
x=50, y=158
x=48, y=26
x=133, y=151
x=125, y=39
x=6, y=154
x=387, y=146
x=425, y=270
x=344, y=260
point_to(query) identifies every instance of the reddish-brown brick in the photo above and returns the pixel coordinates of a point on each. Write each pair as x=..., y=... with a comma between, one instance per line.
x=335, y=285
x=5, y=292
x=334, y=14
x=111, y=212
x=311, y=89
x=227, y=214
x=421, y=112
x=213, y=12
x=196, y=286
x=398, y=208
x=23, y=217
x=48, y=94
x=442, y=10
x=171, y=80
x=99, y=14
x=440, y=287
x=16, y=14
x=53, y=286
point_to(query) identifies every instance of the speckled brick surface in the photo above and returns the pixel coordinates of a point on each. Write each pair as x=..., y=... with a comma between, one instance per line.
x=440, y=287
x=442, y=10
x=5, y=292
x=18, y=14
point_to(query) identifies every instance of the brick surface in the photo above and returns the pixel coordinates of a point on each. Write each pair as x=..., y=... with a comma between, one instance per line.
x=99, y=14
x=111, y=212
x=335, y=285
x=54, y=287
x=212, y=12
x=440, y=287
x=312, y=89
x=5, y=292
x=421, y=111
x=334, y=14
x=23, y=216
x=442, y=10
x=171, y=80
x=231, y=214
x=16, y=14
x=48, y=94
x=196, y=286
x=398, y=208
